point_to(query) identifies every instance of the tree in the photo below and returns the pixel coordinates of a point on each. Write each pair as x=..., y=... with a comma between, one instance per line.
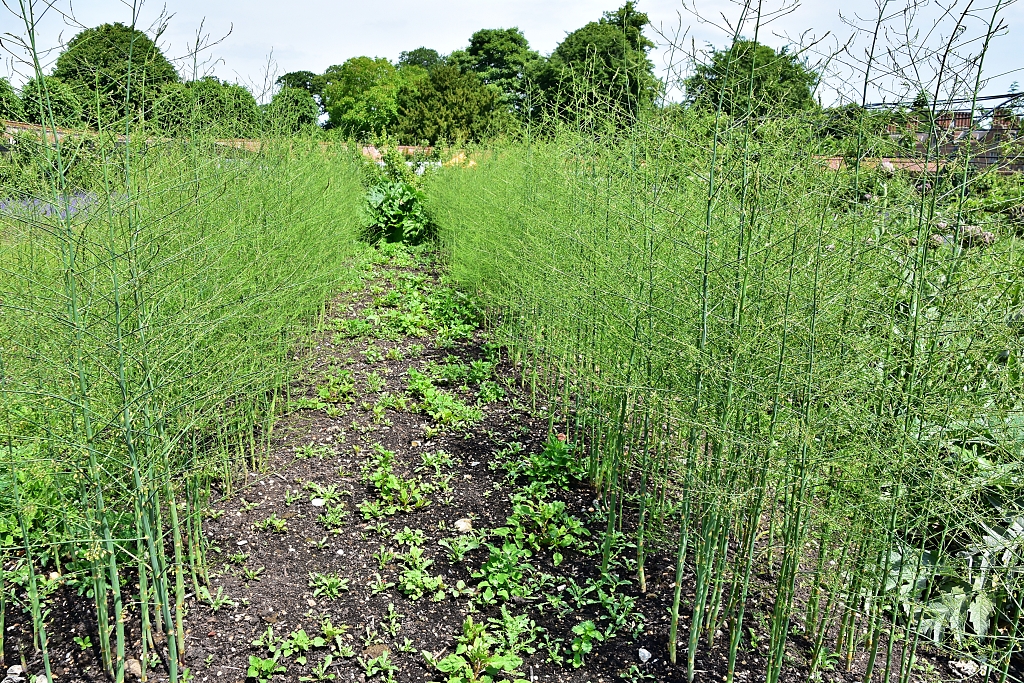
x=292, y=110
x=304, y=80
x=361, y=96
x=50, y=97
x=225, y=108
x=11, y=108
x=422, y=57
x=450, y=105
x=605, y=61
x=752, y=78
x=206, y=106
x=114, y=69
x=502, y=58
x=308, y=81
x=173, y=110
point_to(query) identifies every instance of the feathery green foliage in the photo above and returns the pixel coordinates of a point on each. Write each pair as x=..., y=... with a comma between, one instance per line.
x=11, y=108
x=50, y=101
x=784, y=369
x=147, y=322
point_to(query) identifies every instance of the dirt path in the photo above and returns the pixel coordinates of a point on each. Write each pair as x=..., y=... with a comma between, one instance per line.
x=413, y=437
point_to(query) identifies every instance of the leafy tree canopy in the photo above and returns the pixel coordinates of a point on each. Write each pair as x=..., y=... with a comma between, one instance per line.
x=304, y=80
x=112, y=69
x=292, y=110
x=502, y=58
x=361, y=96
x=422, y=56
x=11, y=108
x=753, y=78
x=47, y=95
x=450, y=105
x=308, y=81
x=209, y=106
x=605, y=58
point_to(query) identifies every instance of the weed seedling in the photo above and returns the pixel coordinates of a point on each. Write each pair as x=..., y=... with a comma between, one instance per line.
x=586, y=635
x=337, y=387
x=319, y=671
x=379, y=665
x=273, y=524
x=410, y=537
x=330, y=586
x=238, y=559
x=253, y=573
x=328, y=493
x=372, y=354
x=333, y=518
x=380, y=585
x=437, y=461
x=489, y=392
x=392, y=621
x=415, y=581
x=262, y=670
x=375, y=382
x=634, y=674
x=381, y=527
x=515, y=632
x=457, y=548
x=298, y=644
x=216, y=602
x=475, y=658
x=384, y=557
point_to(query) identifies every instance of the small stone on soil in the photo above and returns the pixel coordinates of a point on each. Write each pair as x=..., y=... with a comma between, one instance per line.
x=134, y=667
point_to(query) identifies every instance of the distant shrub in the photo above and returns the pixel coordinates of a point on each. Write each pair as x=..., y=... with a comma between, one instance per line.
x=11, y=108
x=52, y=96
x=292, y=110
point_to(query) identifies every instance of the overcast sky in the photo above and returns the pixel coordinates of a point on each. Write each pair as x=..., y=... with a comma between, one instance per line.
x=314, y=34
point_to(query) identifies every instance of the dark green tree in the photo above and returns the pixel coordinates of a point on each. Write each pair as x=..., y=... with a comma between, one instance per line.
x=605, y=61
x=11, y=108
x=49, y=96
x=292, y=110
x=450, y=105
x=752, y=78
x=173, y=110
x=305, y=80
x=225, y=108
x=422, y=57
x=502, y=58
x=114, y=69
x=308, y=81
x=206, y=106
